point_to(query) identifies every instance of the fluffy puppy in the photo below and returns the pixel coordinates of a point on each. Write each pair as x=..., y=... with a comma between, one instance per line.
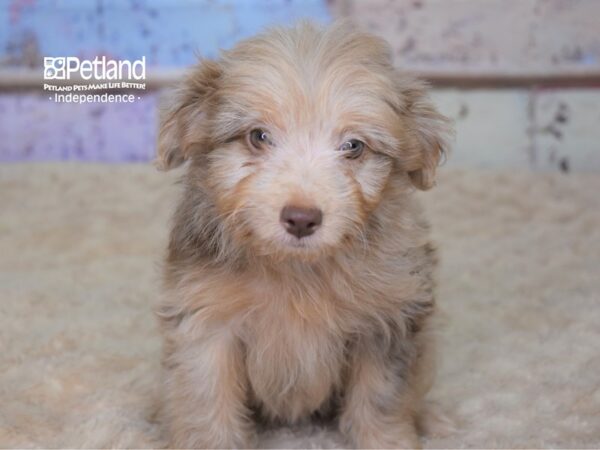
x=299, y=270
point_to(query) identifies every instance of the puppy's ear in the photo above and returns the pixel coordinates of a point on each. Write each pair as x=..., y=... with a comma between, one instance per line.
x=427, y=133
x=183, y=124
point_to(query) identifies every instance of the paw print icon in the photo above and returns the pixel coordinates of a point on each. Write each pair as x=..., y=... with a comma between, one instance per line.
x=54, y=68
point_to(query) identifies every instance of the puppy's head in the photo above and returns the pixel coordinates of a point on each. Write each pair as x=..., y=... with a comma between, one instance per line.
x=295, y=136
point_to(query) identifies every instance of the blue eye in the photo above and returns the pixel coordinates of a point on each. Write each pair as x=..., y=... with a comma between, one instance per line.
x=259, y=138
x=353, y=148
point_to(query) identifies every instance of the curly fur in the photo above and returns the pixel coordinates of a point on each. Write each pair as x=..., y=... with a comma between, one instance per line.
x=260, y=325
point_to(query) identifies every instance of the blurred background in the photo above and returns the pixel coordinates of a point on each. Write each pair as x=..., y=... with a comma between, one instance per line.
x=523, y=75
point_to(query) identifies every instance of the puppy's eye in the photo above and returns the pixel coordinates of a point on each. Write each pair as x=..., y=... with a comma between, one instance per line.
x=352, y=148
x=259, y=138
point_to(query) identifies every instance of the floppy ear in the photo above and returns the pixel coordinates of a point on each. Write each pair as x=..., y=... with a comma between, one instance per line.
x=183, y=124
x=427, y=133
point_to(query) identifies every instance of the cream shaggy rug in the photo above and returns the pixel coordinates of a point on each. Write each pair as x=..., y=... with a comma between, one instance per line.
x=519, y=289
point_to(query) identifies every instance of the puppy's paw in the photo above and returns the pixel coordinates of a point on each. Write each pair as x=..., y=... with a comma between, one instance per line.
x=387, y=433
x=390, y=439
x=434, y=422
x=223, y=439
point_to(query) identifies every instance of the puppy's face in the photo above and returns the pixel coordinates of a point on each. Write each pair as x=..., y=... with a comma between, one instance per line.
x=296, y=134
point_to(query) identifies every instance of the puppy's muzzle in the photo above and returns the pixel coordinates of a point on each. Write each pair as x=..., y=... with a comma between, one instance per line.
x=300, y=221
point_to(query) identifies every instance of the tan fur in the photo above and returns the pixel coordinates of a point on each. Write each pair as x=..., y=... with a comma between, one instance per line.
x=259, y=322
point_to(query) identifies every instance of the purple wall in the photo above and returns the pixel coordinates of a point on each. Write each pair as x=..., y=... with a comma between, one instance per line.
x=34, y=128
x=169, y=33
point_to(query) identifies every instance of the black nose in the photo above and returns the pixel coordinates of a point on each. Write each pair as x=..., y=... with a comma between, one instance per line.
x=301, y=221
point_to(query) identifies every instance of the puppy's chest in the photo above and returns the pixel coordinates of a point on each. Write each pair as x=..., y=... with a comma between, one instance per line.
x=294, y=357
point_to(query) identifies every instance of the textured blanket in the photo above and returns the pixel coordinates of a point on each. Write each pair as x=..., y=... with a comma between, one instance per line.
x=519, y=296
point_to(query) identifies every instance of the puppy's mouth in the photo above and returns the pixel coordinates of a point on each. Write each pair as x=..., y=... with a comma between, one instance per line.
x=299, y=243
x=308, y=247
x=304, y=243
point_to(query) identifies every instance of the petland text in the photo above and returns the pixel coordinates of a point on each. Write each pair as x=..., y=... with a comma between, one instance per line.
x=100, y=68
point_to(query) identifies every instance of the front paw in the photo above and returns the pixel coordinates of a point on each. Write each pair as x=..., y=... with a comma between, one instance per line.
x=385, y=434
x=212, y=438
x=388, y=440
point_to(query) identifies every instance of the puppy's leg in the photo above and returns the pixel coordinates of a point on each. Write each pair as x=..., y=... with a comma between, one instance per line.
x=206, y=392
x=383, y=394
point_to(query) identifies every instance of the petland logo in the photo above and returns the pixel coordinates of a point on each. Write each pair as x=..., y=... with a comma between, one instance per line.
x=99, y=76
x=62, y=68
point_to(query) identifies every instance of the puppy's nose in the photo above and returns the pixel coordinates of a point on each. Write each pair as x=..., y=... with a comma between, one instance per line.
x=300, y=221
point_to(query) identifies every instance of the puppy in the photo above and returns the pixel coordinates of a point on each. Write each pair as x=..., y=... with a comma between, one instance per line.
x=299, y=270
